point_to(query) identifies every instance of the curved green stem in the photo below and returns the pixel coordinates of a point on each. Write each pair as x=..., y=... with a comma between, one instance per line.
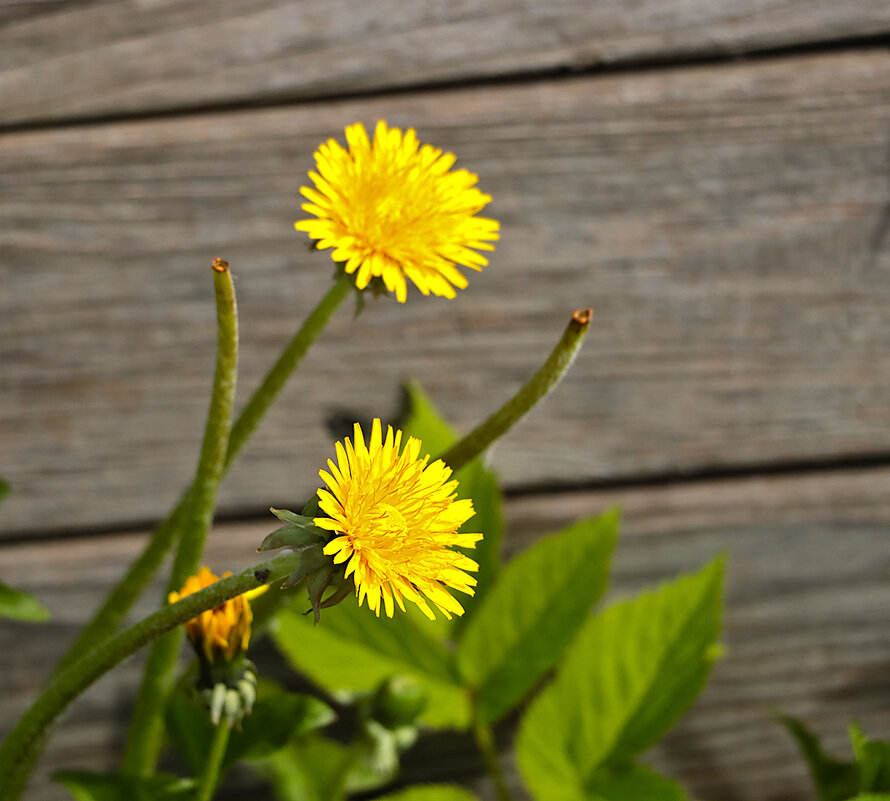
x=147, y=725
x=109, y=616
x=71, y=682
x=209, y=777
x=556, y=366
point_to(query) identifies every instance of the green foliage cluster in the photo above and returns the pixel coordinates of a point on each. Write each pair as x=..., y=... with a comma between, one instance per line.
x=864, y=778
x=592, y=691
x=596, y=690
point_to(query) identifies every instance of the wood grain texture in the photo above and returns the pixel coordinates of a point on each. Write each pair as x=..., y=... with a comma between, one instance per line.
x=68, y=60
x=806, y=627
x=728, y=226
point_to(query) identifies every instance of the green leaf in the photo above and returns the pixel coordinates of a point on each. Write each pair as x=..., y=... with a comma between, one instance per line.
x=475, y=481
x=299, y=521
x=87, y=786
x=431, y=792
x=312, y=769
x=627, y=678
x=353, y=651
x=19, y=605
x=4, y=489
x=872, y=762
x=835, y=780
x=534, y=611
x=277, y=717
x=425, y=422
x=854, y=732
x=634, y=784
x=290, y=536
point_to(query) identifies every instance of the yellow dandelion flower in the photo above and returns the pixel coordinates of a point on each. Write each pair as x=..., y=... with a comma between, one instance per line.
x=398, y=518
x=222, y=633
x=394, y=209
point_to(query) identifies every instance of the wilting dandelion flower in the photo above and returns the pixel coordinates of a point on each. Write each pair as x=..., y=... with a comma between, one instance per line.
x=222, y=633
x=398, y=518
x=226, y=678
x=394, y=209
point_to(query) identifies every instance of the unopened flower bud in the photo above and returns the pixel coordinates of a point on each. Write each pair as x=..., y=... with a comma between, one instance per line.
x=398, y=701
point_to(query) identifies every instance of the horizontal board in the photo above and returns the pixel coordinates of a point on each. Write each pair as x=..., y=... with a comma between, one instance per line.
x=70, y=60
x=727, y=225
x=806, y=626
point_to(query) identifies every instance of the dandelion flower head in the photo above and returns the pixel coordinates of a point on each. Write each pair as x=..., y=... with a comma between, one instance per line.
x=221, y=633
x=394, y=209
x=397, y=517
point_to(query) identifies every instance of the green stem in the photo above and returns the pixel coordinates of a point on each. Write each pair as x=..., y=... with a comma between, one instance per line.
x=211, y=463
x=145, y=737
x=288, y=361
x=111, y=614
x=487, y=748
x=70, y=683
x=558, y=362
x=147, y=725
x=210, y=775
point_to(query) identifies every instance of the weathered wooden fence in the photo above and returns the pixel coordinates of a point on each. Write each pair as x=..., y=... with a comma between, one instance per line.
x=713, y=178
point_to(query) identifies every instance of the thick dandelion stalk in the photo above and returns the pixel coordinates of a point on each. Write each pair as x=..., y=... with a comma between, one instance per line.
x=532, y=393
x=109, y=616
x=24, y=739
x=146, y=727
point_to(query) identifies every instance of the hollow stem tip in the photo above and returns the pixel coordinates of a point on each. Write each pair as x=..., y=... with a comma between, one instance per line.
x=582, y=317
x=528, y=396
x=220, y=265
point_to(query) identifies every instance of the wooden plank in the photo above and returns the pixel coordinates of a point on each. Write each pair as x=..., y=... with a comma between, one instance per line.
x=727, y=226
x=806, y=630
x=69, y=60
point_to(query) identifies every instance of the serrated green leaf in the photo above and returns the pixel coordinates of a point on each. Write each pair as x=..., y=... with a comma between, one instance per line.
x=835, y=779
x=629, y=675
x=313, y=769
x=872, y=762
x=352, y=651
x=635, y=783
x=532, y=614
x=856, y=735
x=277, y=718
x=431, y=792
x=19, y=605
x=475, y=481
x=88, y=786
